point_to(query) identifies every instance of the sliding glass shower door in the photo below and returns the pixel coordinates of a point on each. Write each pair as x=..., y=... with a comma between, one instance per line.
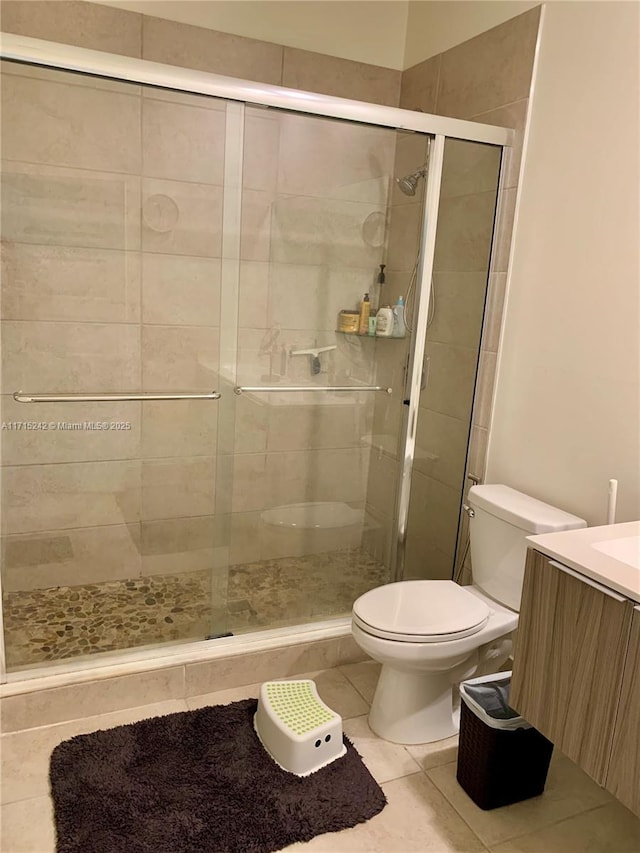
x=172, y=266
x=113, y=204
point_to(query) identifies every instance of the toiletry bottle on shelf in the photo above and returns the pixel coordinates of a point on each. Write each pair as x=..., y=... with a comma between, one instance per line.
x=384, y=322
x=399, y=324
x=372, y=324
x=365, y=307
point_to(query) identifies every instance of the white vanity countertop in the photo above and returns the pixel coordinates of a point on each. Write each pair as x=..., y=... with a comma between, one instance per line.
x=608, y=554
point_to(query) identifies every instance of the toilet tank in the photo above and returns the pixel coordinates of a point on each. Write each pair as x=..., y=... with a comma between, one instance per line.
x=502, y=520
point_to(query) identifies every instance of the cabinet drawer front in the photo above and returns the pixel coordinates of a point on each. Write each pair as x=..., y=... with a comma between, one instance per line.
x=623, y=777
x=567, y=673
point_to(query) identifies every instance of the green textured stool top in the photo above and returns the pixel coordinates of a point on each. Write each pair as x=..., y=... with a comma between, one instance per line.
x=297, y=706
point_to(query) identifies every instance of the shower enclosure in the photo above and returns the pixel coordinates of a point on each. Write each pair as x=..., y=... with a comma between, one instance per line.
x=189, y=447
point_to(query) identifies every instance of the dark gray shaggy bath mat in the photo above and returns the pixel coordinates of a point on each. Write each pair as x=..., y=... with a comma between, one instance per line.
x=198, y=782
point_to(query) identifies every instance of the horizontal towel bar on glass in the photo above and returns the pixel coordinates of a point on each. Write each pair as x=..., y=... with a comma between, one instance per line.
x=21, y=397
x=272, y=388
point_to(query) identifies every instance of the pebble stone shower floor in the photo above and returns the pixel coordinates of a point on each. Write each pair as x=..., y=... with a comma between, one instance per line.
x=63, y=622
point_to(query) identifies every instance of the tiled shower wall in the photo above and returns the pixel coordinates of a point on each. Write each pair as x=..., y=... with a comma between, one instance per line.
x=95, y=298
x=486, y=79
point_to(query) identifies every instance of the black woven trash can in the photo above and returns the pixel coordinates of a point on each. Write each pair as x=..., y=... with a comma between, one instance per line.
x=501, y=758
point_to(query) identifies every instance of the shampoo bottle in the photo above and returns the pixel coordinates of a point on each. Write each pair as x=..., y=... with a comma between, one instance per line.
x=365, y=307
x=384, y=322
x=399, y=324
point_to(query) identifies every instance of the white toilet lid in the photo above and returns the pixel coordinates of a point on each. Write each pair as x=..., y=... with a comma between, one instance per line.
x=420, y=612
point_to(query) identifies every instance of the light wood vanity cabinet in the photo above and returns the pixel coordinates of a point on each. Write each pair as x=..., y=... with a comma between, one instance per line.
x=575, y=672
x=623, y=777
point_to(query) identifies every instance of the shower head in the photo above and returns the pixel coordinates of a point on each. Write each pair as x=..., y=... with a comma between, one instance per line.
x=409, y=183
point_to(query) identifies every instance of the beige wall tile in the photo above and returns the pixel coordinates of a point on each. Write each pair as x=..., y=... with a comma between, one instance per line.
x=253, y=301
x=181, y=218
x=70, y=444
x=68, y=207
x=56, y=497
x=459, y=306
x=411, y=154
x=382, y=483
x=478, y=451
x=317, y=72
x=493, y=314
x=515, y=116
x=173, y=488
x=261, y=148
x=323, y=232
x=315, y=426
x=178, y=358
x=26, y=754
x=244, y=543
x=469, y=168
x=245, y=669
x=74, y=702
x=179, y=428
x=484, y=391
x=249, y=482
x=465, y=229
x=255, y=237
x=309, y=297
x=403, y=237
x=441, y=441
x=70, y=22
x=250, y=426
x=431, y=528
x=183, y=143
x=65, y=125
x=349, y=652
x=176, y=545
x=71, y=557
x=504, y=230
x=69, y=78
x=489, y=70
x=420, y=86
x=71, y=357
x=208, y=50
x=180, y=291
x=66, y=283
x=451, y=379
x=334, y=159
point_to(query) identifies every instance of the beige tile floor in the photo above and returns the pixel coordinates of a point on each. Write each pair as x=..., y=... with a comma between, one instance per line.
x=427, y=811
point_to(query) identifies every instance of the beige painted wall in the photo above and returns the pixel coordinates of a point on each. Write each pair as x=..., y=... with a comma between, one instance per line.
x=392, y=33
x=370, y=31
x=567, y=412
x=433, y=26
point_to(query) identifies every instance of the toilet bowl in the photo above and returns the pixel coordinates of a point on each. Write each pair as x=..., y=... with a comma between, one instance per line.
x=420, y=664
x=429, y=635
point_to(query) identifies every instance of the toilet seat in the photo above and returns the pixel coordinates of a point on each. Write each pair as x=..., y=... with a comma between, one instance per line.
x=420, y=612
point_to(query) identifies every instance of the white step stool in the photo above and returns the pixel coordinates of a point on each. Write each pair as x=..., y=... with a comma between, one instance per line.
x=297, y=729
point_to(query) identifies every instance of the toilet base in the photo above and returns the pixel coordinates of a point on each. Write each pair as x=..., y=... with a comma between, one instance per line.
x=413, y=707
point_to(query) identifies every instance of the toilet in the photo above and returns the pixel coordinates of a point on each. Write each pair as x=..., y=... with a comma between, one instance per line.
x=430, y=635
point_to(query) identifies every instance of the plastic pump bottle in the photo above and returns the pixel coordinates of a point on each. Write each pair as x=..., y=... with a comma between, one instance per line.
x=399, y=324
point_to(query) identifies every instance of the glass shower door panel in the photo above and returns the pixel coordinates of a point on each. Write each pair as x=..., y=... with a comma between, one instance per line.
x=112, y=199
x=461, y=266
x=314, y=233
